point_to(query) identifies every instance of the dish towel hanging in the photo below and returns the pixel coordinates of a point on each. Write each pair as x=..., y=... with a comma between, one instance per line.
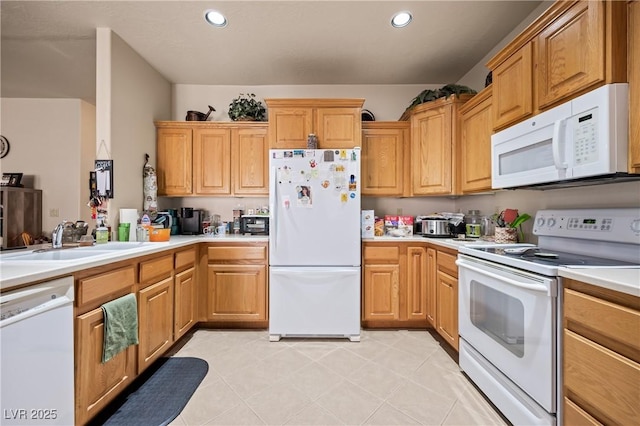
x=120, y=325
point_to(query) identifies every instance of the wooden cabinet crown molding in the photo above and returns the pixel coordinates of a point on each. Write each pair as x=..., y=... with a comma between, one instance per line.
x=209, y=124
x=529, y=33
x=406, y=115
x=315, y=102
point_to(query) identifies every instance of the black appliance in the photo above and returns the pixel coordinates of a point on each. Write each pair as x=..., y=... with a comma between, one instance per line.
x=254, y=224
x=191, y=221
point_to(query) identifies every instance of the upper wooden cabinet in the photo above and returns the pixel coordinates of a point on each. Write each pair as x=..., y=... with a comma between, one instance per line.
x=174, y=160
x=513, y=88
x=336, y=122
x=434, y=140
x=476, y=128
x=384, y=145
x=207, y=158
x=633, y=48
x=575, y=46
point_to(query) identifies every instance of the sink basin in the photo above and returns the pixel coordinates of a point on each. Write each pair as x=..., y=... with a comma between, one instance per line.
x=54, y=255
x=116, y=245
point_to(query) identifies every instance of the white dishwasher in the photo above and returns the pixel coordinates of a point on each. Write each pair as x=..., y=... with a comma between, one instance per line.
x=36, y=354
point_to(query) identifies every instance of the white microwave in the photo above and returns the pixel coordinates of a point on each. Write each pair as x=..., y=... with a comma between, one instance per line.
x=576, y=141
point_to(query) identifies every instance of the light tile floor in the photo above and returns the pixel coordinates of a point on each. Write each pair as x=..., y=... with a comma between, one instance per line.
x=396, y=377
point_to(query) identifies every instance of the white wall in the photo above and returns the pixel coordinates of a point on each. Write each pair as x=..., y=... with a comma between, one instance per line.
x=51, y=140
x=386, y=102
x=138, y=96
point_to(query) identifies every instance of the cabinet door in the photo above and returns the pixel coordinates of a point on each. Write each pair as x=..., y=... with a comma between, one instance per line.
x=96, y=384
x=476, y=127
x=338, y=127
x=250, y=161
x=174, y=162
x=212, y=159
x=634, y=85
x=416, y=283
x=571, y=52
x=381, y=292
x=289, y=127
x=431, y=151
x=447, y=308
x=155, y=321
x=185, y=298
x=383, y=160
x=432, y=275
x=513, y=88
x=236, y=292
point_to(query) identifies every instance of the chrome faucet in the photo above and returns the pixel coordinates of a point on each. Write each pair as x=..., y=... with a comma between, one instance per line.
x=56, y=236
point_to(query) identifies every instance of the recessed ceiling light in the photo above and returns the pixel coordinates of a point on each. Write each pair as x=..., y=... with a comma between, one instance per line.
x=401, y=19
x=215, y=18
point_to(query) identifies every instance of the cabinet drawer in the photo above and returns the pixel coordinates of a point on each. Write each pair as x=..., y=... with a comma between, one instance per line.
x=373, y=253
x=605, y=382
x=447, y=263
x=100, y=286
x=185, y=258
x=257, y=253
x=574, y=415
x=605, y=318
x=156, y=269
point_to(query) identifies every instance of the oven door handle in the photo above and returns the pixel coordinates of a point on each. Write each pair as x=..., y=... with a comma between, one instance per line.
x=533, y=287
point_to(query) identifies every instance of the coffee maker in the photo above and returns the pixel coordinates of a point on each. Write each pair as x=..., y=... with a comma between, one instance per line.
x=191, y=221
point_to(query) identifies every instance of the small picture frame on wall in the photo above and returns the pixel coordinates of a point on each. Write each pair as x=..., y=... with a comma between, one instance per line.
x=11, y=179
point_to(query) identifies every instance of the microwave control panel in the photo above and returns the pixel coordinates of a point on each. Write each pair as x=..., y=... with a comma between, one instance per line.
x=585, y=131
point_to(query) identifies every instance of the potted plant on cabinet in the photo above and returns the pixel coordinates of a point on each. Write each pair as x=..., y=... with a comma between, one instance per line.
x=246, y=108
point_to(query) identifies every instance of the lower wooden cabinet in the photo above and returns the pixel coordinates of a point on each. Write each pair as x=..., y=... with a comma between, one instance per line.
x=155, y=322
x=394, y=284
x=601, y=355
x=184, y=297
x=446, y=307
x=236, y=286
x=97, y=384
x=432, y=273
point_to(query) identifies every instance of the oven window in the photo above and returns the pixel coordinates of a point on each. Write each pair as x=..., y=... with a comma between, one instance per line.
x=498, y=315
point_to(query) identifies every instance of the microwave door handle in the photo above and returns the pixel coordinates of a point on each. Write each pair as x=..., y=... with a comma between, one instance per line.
x=532, y=287
x=558, y=136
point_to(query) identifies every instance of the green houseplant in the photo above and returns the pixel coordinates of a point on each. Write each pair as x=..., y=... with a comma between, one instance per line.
x=246, y=107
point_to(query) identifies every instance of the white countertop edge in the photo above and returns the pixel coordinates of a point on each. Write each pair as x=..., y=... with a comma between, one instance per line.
x=623, y=280
x=13, y=274
x=443, y=242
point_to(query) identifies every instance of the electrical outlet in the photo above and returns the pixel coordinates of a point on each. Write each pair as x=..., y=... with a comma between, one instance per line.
x=54, y=212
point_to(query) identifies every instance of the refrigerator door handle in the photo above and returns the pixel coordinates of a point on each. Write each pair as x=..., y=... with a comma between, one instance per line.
x=273, y=208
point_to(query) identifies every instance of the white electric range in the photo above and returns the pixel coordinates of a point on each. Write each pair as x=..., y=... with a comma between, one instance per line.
x=510, y=305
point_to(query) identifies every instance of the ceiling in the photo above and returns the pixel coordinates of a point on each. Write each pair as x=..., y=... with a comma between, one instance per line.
x=48, y=47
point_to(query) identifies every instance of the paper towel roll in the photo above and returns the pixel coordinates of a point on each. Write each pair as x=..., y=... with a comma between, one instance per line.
x=130, y=216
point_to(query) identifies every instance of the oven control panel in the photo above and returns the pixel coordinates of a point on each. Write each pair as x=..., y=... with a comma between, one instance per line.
x=618, y=225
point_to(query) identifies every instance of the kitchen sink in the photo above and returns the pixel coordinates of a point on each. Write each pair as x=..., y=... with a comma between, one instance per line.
x=116, y=245
x=54, y=255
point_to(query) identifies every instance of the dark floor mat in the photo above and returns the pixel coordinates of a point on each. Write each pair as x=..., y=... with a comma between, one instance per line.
x=158, y=395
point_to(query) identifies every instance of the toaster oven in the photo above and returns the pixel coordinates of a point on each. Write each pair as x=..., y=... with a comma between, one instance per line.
x=254, y=224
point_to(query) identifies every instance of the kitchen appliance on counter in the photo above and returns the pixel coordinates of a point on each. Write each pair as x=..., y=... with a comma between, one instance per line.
x=510, y=305
x=435, y=227
x=314, y=244
x=191, y=221
x=581, y=141
x=254, y=224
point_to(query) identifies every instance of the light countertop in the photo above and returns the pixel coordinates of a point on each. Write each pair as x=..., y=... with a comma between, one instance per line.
x=451, y=243
x=623, y=280
x=15, y=273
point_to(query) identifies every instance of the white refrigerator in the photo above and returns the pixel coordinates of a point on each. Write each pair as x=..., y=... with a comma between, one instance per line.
x=314, y=243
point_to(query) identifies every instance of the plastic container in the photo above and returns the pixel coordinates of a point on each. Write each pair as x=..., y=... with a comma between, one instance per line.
x=312, y=141
x=159, y=234
x=102, y=235
x=474, y=224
